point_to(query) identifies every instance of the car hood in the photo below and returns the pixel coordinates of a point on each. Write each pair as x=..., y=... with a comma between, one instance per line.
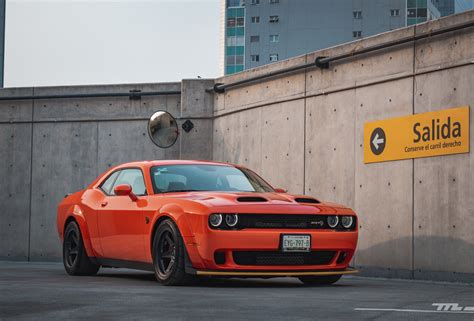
x=250, y=198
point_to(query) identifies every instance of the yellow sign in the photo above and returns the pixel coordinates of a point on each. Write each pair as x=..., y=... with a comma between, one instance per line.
x=434, y=133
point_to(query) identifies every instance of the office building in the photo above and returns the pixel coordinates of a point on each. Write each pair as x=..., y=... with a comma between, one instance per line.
x=259, y=32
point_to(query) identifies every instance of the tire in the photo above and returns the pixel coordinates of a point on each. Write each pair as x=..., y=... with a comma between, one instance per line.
x=169, y=255
x=75, y=259
x=320, y=280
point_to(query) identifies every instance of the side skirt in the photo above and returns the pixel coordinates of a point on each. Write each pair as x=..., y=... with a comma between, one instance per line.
x=144, y=266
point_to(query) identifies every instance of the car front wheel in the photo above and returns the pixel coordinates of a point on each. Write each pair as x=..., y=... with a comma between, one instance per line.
x=169, y=255
x=75, y=259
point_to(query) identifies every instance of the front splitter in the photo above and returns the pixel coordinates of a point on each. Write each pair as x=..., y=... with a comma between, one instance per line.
x=277, y=273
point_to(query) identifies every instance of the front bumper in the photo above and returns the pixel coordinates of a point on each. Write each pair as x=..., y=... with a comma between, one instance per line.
x=203, y=246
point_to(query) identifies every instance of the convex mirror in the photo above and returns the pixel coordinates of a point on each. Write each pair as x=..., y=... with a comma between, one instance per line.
x=163, y=129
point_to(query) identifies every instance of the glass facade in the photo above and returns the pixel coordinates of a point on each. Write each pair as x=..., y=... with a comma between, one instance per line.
x=235, y=36
x=419, y=11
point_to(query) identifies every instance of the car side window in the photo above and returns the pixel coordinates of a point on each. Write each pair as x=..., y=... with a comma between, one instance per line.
x=106, y=186
x=132, y=177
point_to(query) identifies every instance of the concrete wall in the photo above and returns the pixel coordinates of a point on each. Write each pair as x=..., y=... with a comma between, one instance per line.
x=53, y=147
x=304, y=131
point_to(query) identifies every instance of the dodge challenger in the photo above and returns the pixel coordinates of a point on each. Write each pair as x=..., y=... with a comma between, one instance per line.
x=184, y=219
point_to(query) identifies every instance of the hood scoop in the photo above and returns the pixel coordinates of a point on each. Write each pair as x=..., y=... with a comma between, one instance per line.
x=307, y=200
x=251, y=199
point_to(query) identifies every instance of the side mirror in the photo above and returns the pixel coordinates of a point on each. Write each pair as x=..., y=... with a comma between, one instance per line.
x=125, y=190
x=280, y=190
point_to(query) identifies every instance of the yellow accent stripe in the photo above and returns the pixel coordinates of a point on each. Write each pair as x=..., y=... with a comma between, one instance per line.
x=263, y=273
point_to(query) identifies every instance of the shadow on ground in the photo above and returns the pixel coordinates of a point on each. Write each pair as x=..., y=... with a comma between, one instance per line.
x=214, y=281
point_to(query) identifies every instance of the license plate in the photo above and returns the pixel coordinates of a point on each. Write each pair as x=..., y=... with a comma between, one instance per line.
x=295, y=243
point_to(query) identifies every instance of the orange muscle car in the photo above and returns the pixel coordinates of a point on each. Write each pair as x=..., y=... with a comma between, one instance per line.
x=182, y=219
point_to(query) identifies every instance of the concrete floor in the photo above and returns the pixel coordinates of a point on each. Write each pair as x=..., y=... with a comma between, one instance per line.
x=42, y=291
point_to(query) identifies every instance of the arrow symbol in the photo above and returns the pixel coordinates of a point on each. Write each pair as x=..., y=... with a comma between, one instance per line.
x=377, y=141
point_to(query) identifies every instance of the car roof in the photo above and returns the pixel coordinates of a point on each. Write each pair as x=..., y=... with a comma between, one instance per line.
x=172, y=162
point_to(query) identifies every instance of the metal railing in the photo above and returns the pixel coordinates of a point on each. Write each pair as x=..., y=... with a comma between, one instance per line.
x=323, y=62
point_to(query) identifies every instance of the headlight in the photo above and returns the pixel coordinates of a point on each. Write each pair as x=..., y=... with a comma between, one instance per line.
x=231, y=219
x=346, y=221
x=215, y=220
x=333, y=220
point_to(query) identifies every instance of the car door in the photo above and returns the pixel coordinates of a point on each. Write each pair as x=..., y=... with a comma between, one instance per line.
x=121, y=222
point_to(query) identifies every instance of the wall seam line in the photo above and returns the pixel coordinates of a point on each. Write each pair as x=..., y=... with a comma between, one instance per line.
x=304, y=130
x=413, y=166
x=31, y=174
x=97, y=151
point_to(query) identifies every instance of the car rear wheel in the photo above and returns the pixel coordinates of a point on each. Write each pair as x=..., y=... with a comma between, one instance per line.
x=169, y=255
x=320, y=280
x=75, y=259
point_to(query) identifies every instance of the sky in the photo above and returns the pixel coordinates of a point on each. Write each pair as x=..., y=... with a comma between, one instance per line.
x=64, y=42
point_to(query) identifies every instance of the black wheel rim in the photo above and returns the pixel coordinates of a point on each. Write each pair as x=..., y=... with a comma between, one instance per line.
x=71, y=247
x=166, y=253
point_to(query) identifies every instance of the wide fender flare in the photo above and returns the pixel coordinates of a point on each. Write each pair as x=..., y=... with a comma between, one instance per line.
x=177, y=214
x=77, y=214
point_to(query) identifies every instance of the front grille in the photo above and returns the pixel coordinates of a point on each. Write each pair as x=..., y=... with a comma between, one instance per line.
x=276, y=221
x=282, y=258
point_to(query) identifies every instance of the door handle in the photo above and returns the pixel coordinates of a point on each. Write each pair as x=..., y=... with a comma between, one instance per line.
x=104, y=204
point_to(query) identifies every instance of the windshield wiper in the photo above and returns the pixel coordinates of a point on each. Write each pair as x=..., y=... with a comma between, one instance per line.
x=184, y=190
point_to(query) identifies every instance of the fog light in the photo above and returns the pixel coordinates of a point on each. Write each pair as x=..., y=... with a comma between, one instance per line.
x=332, y=221
x=215, y=220
x=231, y=219
x=347, y=221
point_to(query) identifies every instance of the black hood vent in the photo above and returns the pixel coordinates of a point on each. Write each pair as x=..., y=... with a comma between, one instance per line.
x=252, y=199
x=307, y=200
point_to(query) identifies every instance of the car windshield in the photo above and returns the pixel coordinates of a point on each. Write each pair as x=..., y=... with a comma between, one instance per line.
x=186, y=178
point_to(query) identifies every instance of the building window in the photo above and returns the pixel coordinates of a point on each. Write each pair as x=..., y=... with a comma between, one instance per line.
x=395, y=12
x=230, y=60
x=357, y=14
x=274, y=38
x=235, y=22
x=255, y=2
x=235, y=41
x=254, y=38
x=357, y=34
x=239, y=60
x=274, y=19
x=256, y=19
x=255, y=58
x=234, y=3
x=421, y=12
x=273, y=57
x=274, y=1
